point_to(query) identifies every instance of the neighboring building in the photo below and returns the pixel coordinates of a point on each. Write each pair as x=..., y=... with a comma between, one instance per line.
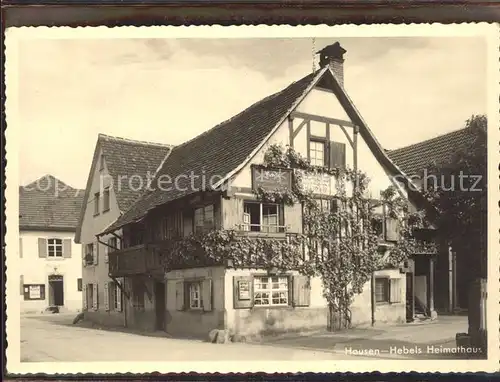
x=318, y=119
x=452, y=274
x=117, y=175
x=50, y=263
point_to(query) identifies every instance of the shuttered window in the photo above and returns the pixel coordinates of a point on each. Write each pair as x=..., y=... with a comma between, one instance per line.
x=301, y=291
x=337, y=155
x=391, y=229
x=395, y=291
x=382, y=289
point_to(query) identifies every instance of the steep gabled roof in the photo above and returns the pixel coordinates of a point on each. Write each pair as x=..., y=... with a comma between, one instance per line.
x=125, y=159
x=415, y=158
x=225, y=149
x=212, y=155
x=49, y=204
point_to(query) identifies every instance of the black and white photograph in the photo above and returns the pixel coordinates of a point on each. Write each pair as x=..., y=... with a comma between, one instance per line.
x=252, y=200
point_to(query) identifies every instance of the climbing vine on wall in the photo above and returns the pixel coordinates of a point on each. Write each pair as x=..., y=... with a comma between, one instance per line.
x=339, y=242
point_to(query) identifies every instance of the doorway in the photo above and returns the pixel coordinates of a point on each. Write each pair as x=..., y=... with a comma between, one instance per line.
x=56, y=290
x=160, y=305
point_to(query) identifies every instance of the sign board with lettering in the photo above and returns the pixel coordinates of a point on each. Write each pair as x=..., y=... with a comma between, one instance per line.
x=271, y=179
x=243, y=290
x=35, y=292
x=317, y=183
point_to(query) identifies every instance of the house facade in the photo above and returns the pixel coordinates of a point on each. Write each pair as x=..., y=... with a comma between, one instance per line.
x=184, y=293
x=119, y=168
x=453, y=276
x=50, y=265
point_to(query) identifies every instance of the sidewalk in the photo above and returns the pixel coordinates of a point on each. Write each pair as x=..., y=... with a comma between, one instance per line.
x=432, y=340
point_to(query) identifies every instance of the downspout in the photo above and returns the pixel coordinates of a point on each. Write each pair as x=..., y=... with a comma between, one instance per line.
x=373, y=297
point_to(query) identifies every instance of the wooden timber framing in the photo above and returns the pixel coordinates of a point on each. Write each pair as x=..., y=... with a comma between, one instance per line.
x=320, y=118
x=307, y=118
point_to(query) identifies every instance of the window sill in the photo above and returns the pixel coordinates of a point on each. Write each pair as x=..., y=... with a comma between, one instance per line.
x=278, y=307
x=106, y=210
x=51, y=258
x=96, y=214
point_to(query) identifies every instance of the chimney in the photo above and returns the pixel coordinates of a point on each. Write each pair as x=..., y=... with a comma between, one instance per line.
x=333, y=56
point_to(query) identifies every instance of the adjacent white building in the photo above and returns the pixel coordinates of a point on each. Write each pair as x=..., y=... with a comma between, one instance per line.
x=50, y=260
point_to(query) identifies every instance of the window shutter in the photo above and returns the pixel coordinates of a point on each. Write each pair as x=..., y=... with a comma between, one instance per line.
x=118, y=292
x=95, y=299
x=85, y=296
x=395, y=290
x=21, y=247
x=337, y=155
x=96, y=253
x=21, y=284
x=301, y=291
x=242, y=292
x=179, y=295
x=106, y=252
x=67, y=248
x=42, y=247
x=391, y=229
x=206, y=291
x=106, y=296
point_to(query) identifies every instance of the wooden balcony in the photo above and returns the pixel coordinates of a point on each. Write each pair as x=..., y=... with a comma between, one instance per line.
x=134, y=261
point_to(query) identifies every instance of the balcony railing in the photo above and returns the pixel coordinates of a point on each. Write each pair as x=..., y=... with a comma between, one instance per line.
x=133, y=261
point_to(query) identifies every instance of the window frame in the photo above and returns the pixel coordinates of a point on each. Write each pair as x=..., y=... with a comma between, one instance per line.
x=52, y=247
x=89, y=253
x=97, y=207
x=106, y=201
x=279, y=227
x=138, y=300
x=206, y=226
x=199, y=300
x=387, y=289
x=257, y=279
x=79, y=284
x=318, y=140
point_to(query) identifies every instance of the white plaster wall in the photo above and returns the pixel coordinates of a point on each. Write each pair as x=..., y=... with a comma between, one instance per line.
x=94, y=224
x=36, y=270
x=323, y=104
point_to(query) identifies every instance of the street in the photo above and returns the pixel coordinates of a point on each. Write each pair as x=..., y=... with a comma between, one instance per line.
x=48, y=338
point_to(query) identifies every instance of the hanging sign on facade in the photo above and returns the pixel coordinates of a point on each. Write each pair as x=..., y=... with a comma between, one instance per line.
x=271, y=179
x=317, y=183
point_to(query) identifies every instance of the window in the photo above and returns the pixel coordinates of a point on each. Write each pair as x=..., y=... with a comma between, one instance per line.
x=337, y=155
x=96, y=203
x=34, y=291
x=172, y=226
x=21, y=284
x=272, y=290
x=89, y=253
x=263, y=217
x=204, y=219
x=79, y=284
x=317, y=153
x=115, y=296
x=382, y=288
x=101, y=162
x=112, y=244
x=194, y=290
x=54, y=248
x=90, y=295
x=105, y=200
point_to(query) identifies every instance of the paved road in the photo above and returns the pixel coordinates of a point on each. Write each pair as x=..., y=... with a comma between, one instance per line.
x=49, y=338
x=54, y=338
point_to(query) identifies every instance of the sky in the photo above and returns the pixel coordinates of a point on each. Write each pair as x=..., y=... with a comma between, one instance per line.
x=170, y=90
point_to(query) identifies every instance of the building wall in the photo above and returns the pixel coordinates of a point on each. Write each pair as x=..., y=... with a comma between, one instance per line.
x=195, y=323
x=92, y=225
x=385, y=313
x=268, y=320
x=36, y=270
